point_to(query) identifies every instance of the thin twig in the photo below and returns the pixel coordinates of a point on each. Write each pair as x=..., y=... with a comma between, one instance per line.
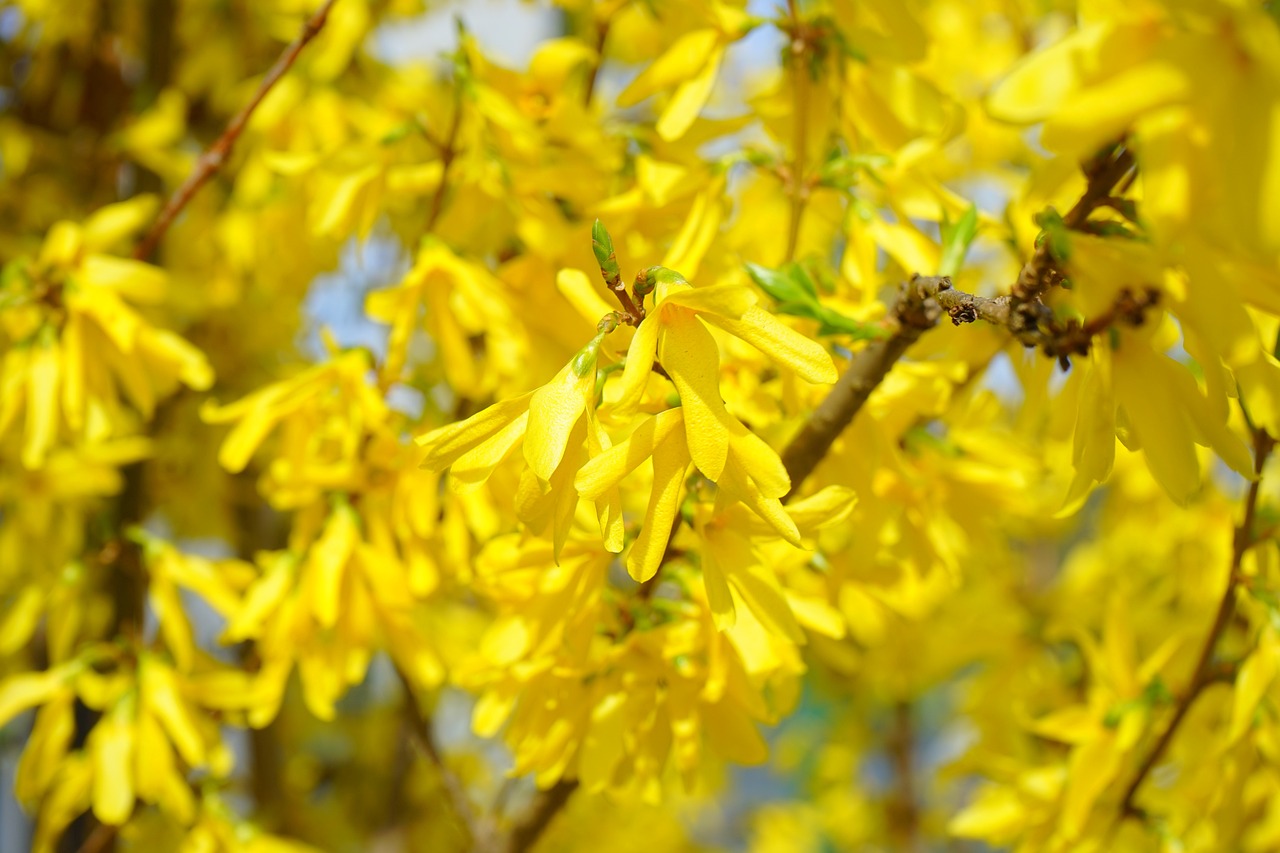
x=916, y=312
x=548, y=804
x=218, y=153
x=448, y=151
x=796, y=186
x=602, y=35
x=1205, y=672
x=1033, y=324
x=1104, y=174
x=480, y=833
x=100, y=839
x=903, y=811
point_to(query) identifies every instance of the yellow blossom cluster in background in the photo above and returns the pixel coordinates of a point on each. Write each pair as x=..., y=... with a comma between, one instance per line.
x=461, y=453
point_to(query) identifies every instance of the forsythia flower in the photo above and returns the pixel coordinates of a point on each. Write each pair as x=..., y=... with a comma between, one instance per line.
x=73, y=344
x=325, y=411
x=661, y=684
x=149, y=722
x=689, y=66
x=555, y=423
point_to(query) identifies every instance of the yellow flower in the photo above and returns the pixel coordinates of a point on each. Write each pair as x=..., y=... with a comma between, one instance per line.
x=701, y=431
x=555, y=423
x=674, y=333
x=326, y=413
x=688, y=66
x=73, y=345
x=610, y=690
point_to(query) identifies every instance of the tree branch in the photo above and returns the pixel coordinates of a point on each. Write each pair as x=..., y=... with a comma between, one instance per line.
x=902, y=810
x=480, y=833
x=1205, y=673
x=602, y=35
x=1103, y=174
x=448, y=151
x=218, y=153
x=923, y=298
x=916, y=314
x=548, y=804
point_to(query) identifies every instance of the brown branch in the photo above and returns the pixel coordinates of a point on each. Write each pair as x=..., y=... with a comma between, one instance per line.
x=918, y=307
x=218, y=153
x=1104, y=174
x=480, y=832
x=903, y=812
x=915, y=314
x=100, y=839
x=1033, y=324
x=448, y=151
x=602, y=35
x=1205, y=672
x=548, y=804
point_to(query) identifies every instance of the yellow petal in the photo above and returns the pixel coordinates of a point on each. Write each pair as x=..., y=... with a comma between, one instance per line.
x=137, y=281
x=606, y=739
x=682, y=61
x=607, y=470
x=107, y=226
x=167, y=604
x=639, y=365
x=582, y=294
x=670, y=467
x=700, y=228
x=111, y=745
x=191, y=365
x=689, y=354
x=1145, y=386
x=328, y=559
x=729, y=301
x=1098, y=113
x=717, y=558
x=761, y=592
x=554, y=411
x=474, y=467
x=781, y=343
x=609, y=504
x=263, y=599
x=1043, y=79
x=50, y=738
x=689, y=99
x=1257, y=674
x=161, y=696
x=739, y=486
x=73, y=398
x=446, y=444
x=759, y=461
x=29, y=689
x=41, y=429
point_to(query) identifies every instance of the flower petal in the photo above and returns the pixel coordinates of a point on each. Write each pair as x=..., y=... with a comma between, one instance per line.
x=781, y=343
x=446, y=444
x=670, y=467
x=690, y=356
x=639, y=365
x=725, y=300
x=474, y=467
x=607, y=470
x=554, y=411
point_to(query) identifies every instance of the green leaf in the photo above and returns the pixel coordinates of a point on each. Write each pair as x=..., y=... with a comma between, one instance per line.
x=957, y=237
x=793, y=290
